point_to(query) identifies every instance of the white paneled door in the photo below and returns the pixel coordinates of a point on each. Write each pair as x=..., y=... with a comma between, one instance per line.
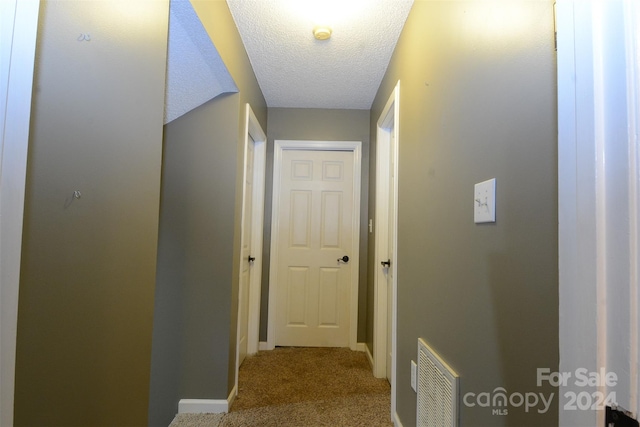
x=315, y=248
x=247, y=263
x=390, y=263
x=252, y=218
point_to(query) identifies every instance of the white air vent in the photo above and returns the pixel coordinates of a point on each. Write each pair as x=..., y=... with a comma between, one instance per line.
x=437, y=390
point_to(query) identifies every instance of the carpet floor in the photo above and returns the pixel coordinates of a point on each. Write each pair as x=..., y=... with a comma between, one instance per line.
x=300, y=387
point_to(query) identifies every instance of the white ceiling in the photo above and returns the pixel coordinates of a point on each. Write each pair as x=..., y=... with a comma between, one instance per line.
x=297, y=71
x=195, y=70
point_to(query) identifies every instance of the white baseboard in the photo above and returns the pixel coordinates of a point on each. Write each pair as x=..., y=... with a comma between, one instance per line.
x=264, y=346
x=203, y=406
x=206, y=406
x=396, y=420
x=369, y=355
x=232, y=396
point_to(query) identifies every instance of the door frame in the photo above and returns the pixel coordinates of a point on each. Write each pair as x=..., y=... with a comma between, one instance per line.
x=387, y=126
x=598, y=150
x=279, y=147
x=252, y=130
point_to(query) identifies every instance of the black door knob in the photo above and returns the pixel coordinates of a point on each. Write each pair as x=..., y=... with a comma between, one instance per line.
x=251, y=258
x=344, y=259
x=386, y=264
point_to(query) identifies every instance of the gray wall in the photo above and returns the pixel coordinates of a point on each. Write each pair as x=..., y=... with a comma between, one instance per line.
x=88, y=265
x=320, y=125
x=195, y=317
x=478, y=101
x=193, y=295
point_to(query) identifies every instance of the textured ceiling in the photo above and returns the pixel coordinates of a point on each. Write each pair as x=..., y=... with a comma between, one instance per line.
x=195, y=71
x=295, y=70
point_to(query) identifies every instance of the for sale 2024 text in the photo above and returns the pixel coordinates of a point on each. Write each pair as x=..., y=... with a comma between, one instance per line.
x=582, y=378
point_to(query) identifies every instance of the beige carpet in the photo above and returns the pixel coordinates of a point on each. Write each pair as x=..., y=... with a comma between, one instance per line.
x=296, y=387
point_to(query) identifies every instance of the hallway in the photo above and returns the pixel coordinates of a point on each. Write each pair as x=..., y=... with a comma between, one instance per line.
x=121, y=229
x=303, y=387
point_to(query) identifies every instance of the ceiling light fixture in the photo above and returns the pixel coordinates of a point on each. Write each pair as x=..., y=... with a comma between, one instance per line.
x=322, y=32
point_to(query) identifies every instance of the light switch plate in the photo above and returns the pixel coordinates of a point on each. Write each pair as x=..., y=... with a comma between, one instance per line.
x=484, y=202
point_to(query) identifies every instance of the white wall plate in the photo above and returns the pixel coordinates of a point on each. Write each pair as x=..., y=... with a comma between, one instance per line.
x=484, y=202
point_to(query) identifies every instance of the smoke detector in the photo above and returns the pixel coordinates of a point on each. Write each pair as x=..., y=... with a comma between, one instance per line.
x=322, y=32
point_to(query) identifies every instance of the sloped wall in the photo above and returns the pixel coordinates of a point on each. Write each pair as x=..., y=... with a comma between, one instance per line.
x=195, y=318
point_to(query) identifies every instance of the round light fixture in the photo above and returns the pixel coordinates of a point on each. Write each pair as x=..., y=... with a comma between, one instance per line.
x=322, y=32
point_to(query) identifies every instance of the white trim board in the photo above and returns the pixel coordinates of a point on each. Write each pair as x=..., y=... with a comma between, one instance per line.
x=207, y=406
x=279, y=147
x=388, y=128
x=260, y=159
x=202, y=406
x=396, y=420
x=599, y=201
x=369, y=356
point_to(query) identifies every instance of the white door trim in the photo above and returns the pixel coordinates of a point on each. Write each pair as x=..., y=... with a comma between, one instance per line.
x=599, y=199
x=253, y=131
x=279, y=147
x=17, y=49
x=388, y=126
